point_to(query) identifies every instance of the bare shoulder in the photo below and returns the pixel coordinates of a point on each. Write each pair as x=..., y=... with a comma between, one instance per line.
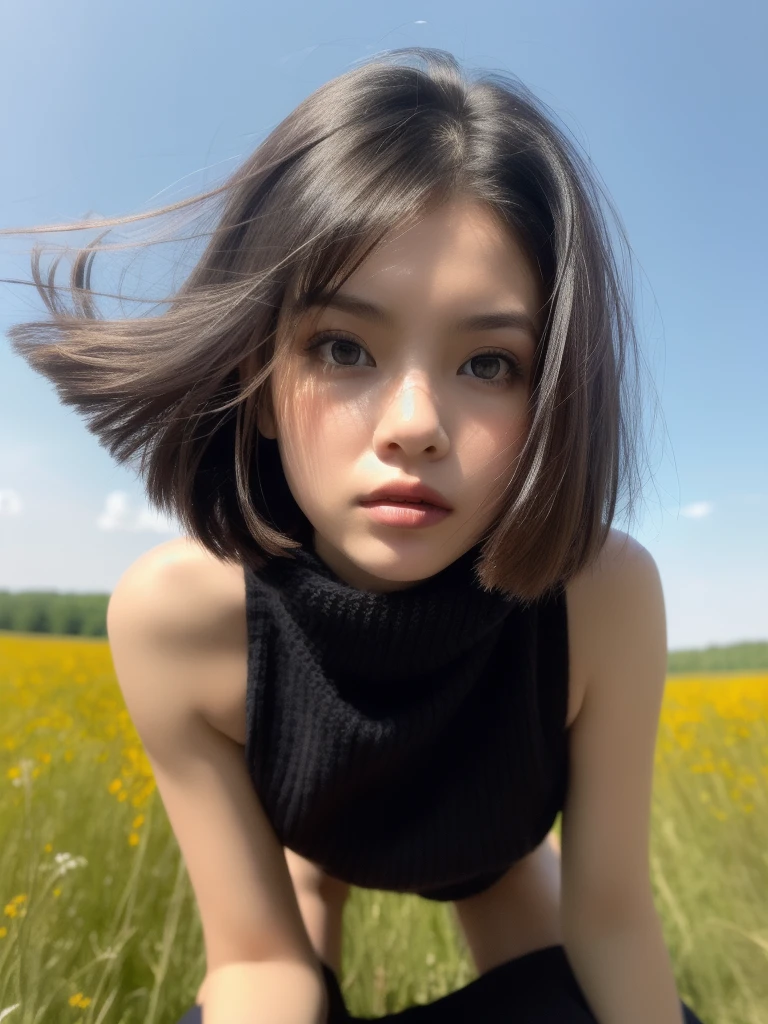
x=184, y=561
x=597, y=601
x=621, y=561
x=619, y=555
x=199, y=601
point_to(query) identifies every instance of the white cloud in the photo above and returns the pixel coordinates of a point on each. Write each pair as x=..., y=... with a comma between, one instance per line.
x=10, y=503
x=697, y=510
x=117, y=516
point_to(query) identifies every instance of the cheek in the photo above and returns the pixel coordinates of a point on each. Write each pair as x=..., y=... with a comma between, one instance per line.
x=311, y=423
x=491, y=446
x=318, y=443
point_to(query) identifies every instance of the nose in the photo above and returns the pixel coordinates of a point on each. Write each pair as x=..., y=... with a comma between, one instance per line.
x=411, y=419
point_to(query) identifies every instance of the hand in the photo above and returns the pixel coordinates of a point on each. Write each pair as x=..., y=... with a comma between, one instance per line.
x=265, y=992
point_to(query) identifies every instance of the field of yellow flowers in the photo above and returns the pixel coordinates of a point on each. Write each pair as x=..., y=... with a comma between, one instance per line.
x=99, y=923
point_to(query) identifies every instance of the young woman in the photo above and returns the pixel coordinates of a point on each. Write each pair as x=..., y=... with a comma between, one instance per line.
x=400, y=634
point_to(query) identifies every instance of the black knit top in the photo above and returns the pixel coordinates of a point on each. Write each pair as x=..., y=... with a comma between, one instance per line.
x=413, y=740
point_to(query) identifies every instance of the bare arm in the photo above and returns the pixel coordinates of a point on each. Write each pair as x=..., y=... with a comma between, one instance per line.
x=612, y=934
x=165, y=648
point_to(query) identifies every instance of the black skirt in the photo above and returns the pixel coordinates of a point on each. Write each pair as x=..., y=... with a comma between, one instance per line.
x=537, y=988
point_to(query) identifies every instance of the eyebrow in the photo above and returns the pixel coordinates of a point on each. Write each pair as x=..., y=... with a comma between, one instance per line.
x=512, y=318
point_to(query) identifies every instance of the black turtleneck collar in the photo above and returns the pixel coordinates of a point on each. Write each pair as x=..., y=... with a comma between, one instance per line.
x=387, y=635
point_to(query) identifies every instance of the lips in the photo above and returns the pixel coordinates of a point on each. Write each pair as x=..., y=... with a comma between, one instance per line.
x=407, y=493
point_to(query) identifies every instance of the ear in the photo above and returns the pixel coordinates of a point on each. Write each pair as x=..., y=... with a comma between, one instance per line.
x=265, y=419
x=265, y=416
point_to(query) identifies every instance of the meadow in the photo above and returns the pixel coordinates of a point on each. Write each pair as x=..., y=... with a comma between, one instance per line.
x=98, y=923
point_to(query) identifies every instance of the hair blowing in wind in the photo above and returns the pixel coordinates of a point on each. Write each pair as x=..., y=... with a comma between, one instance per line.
x=373, y=149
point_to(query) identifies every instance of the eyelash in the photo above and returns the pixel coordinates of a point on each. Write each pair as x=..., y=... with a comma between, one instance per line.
x=516, y=372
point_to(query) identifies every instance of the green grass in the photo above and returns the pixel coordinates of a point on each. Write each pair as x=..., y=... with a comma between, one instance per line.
x=115, y=938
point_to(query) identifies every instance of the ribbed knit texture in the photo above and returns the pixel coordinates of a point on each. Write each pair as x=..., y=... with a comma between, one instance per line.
x=414, y=740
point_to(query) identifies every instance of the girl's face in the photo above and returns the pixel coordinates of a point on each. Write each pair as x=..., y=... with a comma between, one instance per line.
x=410, y=393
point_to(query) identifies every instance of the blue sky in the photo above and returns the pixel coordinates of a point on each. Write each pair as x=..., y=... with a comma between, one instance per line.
x=115, y=108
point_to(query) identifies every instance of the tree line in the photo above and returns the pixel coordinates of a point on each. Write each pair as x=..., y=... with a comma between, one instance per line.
x=58, y=614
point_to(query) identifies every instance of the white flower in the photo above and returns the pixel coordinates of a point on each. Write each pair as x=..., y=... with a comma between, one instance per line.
x=65, y=862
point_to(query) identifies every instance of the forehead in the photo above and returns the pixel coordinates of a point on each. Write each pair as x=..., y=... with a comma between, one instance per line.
x=452, y=259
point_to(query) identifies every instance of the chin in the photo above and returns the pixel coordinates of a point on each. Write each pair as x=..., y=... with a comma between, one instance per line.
x=400, y=568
